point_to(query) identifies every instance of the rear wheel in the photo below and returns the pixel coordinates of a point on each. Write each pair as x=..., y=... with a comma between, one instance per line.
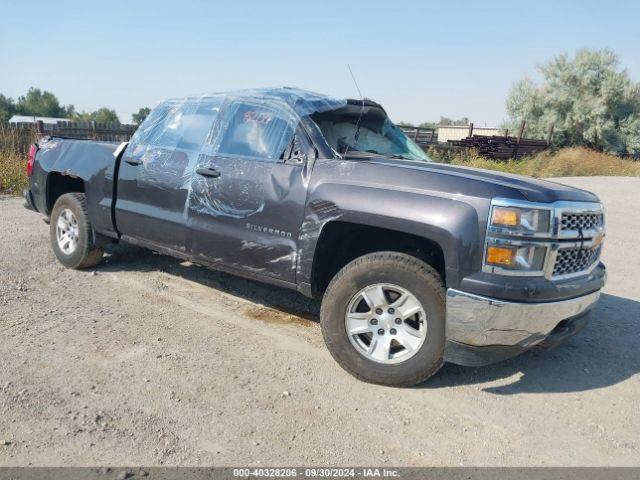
x=383, y=319
x=71, y=233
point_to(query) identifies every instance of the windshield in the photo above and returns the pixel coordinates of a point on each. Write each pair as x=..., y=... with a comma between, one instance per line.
x=376, y=135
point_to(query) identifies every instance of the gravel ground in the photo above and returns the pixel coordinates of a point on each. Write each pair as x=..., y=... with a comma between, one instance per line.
x=148, y=360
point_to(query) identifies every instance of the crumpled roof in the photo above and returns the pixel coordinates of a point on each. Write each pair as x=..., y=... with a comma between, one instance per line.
x=303, y=102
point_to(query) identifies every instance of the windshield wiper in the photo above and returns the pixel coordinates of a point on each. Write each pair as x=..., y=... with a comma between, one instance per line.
x=360, y=154
x=368, y=153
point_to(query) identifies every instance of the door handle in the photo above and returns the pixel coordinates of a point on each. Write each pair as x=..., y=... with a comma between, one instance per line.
x=208, y=172
x=133, y=161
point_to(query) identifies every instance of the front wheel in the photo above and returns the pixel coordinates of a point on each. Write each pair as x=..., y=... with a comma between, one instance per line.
x=383, y=319
x=71, y=233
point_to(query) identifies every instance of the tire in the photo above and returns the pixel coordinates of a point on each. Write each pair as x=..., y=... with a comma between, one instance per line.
x=393, y=273
x=81, y=252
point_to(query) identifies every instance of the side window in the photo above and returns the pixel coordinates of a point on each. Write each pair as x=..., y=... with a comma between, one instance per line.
x=255, y=130
x=175, y=125
x=153, y=124
x=179, y=125
x=198, y=124
x=170, y=139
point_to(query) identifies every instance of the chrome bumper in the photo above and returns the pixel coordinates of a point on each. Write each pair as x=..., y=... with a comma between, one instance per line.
x=481, y=321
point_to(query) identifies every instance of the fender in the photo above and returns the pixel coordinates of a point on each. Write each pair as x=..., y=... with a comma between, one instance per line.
x=451, y=223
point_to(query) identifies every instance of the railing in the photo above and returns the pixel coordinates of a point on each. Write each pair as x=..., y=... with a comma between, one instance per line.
x=110, y=132
x=490, y=146
x=422, y=136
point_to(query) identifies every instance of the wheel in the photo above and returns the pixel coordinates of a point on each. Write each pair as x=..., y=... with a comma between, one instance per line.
x=383, y=319
x=71, y=233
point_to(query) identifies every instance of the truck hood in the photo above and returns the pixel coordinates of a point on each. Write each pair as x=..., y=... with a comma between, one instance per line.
x=532, y=189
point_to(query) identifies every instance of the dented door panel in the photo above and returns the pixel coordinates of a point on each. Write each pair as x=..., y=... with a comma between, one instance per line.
x=249, y=217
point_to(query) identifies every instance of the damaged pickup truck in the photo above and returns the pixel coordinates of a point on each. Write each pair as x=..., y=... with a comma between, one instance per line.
x=417, y=263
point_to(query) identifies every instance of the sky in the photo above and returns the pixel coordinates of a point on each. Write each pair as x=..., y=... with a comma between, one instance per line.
x=420, y=59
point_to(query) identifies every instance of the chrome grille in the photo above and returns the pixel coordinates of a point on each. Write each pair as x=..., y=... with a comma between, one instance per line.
x=573, y=260
x=573, y=241
x=581, y=221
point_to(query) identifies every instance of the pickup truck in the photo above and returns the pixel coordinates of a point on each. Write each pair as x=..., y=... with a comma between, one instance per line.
x=417, y=263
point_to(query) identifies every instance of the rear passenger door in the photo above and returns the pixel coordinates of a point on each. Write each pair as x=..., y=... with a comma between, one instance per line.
x=156, y=170
x=247, y=196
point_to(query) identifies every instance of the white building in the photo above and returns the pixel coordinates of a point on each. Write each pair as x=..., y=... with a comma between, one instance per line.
x=32, y=119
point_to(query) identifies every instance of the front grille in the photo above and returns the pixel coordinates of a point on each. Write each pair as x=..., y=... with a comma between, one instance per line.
x=581, y=221
x=573, y=260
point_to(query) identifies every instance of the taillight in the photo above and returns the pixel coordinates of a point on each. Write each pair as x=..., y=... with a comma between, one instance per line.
x=32, y=158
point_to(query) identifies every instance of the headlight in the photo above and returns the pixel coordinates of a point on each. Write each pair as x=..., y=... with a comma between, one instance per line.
x=515, y=257
x=516, y=220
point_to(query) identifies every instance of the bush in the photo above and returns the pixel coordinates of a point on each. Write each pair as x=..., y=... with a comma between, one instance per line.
x=579, y=162
x=567, y=162
x=14, y=144
x=13, y=172
x=590, y=99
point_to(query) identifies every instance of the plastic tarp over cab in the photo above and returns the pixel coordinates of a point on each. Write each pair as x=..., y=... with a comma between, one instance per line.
x=256, y=123
x=201, y=123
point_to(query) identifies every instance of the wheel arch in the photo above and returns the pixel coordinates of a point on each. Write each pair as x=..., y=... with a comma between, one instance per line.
x=342, y=241
x=447, y=225
x=58, y=184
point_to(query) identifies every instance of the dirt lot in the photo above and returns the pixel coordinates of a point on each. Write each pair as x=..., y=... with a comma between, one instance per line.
x=147, y=360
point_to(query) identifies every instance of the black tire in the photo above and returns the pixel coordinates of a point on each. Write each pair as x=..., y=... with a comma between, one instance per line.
x=402, y=270
x=86, y=254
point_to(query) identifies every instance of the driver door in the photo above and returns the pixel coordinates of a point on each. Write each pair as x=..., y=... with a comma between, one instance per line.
x=246, y=200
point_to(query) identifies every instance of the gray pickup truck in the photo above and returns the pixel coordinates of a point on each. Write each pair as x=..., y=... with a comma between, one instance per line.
x=417, y=263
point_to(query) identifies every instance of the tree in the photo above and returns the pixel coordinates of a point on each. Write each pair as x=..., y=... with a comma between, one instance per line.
x=422, y=125
x=102, y=115
x=41, y=104
x=7, y=108
x=105, y=115
x=141, y=115
x=446, y=121
x=82, y=116
x=588, y=98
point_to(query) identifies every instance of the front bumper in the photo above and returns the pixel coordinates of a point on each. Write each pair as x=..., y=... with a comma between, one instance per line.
x=483, y=330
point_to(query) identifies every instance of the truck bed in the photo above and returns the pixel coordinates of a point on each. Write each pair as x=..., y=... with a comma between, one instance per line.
x=60, y=161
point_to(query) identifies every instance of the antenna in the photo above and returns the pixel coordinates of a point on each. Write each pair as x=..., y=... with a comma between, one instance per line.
x=357, y=132
x=354, y=81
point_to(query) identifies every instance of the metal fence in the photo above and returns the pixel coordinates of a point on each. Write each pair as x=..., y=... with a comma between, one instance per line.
x=422, y=136
x=110, y=132
x=17, y=137
x=490, y=146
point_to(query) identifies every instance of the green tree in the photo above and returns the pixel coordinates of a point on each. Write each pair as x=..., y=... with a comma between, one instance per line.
x=588, y=98
x=421, y=125
x=141, y=115
x=83, y=116
x=446, y=121
x=106, y=115
x=7, y=108
x=40, y=103
x=102, y=115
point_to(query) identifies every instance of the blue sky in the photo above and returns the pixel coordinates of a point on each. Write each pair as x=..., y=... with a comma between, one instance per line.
x=420, y=59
